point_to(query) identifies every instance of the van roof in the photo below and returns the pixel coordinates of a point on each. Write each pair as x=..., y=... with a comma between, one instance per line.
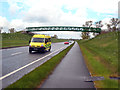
x=41, y=36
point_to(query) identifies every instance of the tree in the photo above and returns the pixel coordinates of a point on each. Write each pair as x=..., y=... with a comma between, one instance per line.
x=85, y=35
x=109, y=27
x=12, y=30
x=88, y=23
x=114, y=23
x=99, y=24
x=55, y=36
x=1, y=29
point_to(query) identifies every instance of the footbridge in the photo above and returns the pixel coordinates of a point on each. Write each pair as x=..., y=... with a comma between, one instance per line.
x=63, y=28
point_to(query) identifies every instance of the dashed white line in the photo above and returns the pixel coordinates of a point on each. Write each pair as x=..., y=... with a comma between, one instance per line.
x=28, y=64
x=16, y=53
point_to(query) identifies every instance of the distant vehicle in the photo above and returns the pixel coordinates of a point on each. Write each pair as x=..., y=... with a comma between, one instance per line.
x=70, y=41
x=40, y=43
x=66, y=42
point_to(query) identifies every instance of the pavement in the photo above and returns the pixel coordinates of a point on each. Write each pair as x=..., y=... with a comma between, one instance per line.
x=70, y=73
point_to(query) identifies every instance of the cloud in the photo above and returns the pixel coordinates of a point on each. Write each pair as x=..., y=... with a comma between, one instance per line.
x=48, y=12
x=36, y=18
x=51, y=13
x=104, y=6
x=13, y=6
x=17, y=23
x=3, y=22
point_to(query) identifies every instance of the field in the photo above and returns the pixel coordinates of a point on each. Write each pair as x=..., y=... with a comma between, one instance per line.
x=101, y=55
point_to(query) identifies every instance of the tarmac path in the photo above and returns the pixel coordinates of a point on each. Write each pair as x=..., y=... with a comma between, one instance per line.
x=70, y=73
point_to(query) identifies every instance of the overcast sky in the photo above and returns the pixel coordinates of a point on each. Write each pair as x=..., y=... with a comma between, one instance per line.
x=20, y=14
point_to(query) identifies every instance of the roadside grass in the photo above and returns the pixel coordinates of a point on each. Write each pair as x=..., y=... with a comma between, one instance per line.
x=101, y=55
x=20, y=39
x=14, y=43
x=38, y=75
x=15, y=39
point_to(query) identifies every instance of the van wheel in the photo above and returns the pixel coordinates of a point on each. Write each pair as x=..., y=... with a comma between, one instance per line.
x=43, y=51
x=30, y=51
x=49, y=49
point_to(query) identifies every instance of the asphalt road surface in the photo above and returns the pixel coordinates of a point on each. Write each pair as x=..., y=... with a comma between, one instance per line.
x=70, y=73
x=14, y=61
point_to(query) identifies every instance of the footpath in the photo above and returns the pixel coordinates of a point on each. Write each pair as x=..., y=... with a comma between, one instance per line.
x=70, y=73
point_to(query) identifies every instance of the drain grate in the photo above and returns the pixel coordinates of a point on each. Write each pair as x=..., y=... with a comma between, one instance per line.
x=91, y=79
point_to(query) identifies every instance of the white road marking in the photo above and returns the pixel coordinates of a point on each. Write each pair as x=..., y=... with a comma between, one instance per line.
x=16, y=53
x=28, y=64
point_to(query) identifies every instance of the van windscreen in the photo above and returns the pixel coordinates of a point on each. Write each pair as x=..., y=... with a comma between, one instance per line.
x=37, y=40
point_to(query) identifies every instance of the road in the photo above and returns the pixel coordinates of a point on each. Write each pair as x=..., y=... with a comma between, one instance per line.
x=17, y=62
x=70, y=73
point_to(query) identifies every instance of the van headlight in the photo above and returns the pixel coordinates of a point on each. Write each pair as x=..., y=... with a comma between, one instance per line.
x=30, y=45
x=42, y=45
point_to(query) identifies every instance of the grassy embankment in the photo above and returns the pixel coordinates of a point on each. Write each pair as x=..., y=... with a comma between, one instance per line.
x=15, y=39
x=19, y=39
x=101, y=55
x=36, y=77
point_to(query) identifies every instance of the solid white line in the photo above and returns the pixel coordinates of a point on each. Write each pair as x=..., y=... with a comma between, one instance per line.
x=16, y=53
x=28, y=64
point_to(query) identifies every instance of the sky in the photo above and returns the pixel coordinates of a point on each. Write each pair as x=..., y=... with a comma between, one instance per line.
x=20, y=14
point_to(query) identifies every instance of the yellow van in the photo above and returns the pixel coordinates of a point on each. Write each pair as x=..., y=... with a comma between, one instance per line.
x=40, y=43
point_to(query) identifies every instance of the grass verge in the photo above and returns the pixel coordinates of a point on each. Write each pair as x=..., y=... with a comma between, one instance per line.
x=36, y=77
x=101, y=55
x=98, y=69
